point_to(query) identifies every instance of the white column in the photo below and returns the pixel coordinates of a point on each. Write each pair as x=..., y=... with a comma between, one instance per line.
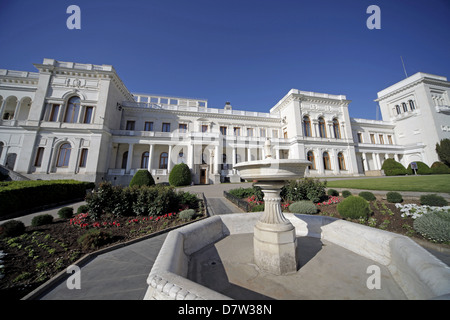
x=249, y=154
x=16, y=110
x=150, y=157
x=396, y=157
x=130, y=157
x=2, y=108
x=365, y=161
x=190, y=156
x=216, y=160
x=169, y=159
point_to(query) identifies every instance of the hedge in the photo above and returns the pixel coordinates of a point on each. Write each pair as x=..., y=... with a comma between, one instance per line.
x=16, y=196
x=393, y=168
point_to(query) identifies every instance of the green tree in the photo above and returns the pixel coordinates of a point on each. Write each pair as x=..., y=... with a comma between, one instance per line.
x=142, y=178
x=180, y=175
x=443, y=151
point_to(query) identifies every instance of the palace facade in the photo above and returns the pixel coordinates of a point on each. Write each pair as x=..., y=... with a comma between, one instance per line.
x=79, y=121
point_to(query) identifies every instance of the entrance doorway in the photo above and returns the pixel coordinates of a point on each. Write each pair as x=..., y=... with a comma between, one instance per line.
x=202, y=176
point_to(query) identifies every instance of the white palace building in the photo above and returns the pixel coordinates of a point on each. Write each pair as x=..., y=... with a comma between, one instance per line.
x=79, y=121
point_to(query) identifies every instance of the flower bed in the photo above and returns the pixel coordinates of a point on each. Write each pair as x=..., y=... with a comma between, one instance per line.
x=414, y=210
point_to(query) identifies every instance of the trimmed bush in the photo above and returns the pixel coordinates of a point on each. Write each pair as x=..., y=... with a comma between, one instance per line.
x=333, y=193
x=12, y=228
x=258, y=208
x=303, y=207
x=369, y=196
x=187, y=215
x=439, y=168
x=22, y=195
x=180, y=175
x=394, y=197
x=354, y=207
x=393, y=168
x=433, y=200
x=83, y=208
x=142, y=178
x=434, y=226
x=65, y=212
x=304, y=189
x=346, y=193
x=422, y=168
x=41, y=220
x=94, y=239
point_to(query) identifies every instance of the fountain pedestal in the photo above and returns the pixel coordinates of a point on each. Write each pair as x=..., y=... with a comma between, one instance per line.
x=274, y=241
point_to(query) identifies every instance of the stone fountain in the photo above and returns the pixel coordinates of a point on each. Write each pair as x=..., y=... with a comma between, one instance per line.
x=290, y=256
x=275, y=242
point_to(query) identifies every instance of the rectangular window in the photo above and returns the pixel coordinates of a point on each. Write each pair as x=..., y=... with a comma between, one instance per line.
x=148, y=126
x=83, y=157
x=88, y=114
x=54, y=113
x=274, y=133
x=130, y=125
x=249, y=132
x=166, y=127
x=262, y=133
x=182, y=127
x=381, y=138
x=237, y=131
x=204, y=128
x=359, y=137
x=223, y=131
x=39, y=154
x=372, y=138
x=390, y=139
x=285, y=134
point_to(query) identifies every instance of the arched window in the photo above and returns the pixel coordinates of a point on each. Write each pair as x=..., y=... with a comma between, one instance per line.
x=144, y=159
x=310, y=158
x=411, y=105
x=326, y=161
x=336, y=130
x=124, y=160
x=322, y=130
x=397, y=108
x=64, y=155
x=341, y=161
x=163, y=160
x=72, y=110
x=306, y=126
x=405, y=108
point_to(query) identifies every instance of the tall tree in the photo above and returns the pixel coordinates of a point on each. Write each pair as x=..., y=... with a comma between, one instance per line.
x=443, y=151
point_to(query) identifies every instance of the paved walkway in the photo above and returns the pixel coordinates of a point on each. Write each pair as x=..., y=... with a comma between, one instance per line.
x=121, y=274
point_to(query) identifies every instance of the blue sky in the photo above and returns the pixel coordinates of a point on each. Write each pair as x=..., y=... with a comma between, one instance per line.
x=248, y=52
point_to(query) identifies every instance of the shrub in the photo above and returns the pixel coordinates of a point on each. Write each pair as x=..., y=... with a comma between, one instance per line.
x=243, y=193
x=41, y=220
x=346, y=193
x=433, y=200
x=393, y=168
x=258, y=208
x=180, y=175
x=394, y=197
x=65, y=212
x=354, y=207
x=187, y=215
x=12, y=228
x=21, y=195
x=333, y=193
x=142, y=178
x=303, y=207
x=94, y=238
x=83, y=208
x=369, y=196
x=304, y=189
x=439, y=168
x=434, y=226
x=422, y=168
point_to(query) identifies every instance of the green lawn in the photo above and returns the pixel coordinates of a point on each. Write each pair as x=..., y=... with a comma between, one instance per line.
x=431, y=183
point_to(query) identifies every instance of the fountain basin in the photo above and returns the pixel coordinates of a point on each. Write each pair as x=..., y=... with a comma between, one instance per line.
x=415, y=273
x=272, y=170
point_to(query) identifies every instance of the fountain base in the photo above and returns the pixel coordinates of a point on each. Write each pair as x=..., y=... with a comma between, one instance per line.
x=275, y=247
